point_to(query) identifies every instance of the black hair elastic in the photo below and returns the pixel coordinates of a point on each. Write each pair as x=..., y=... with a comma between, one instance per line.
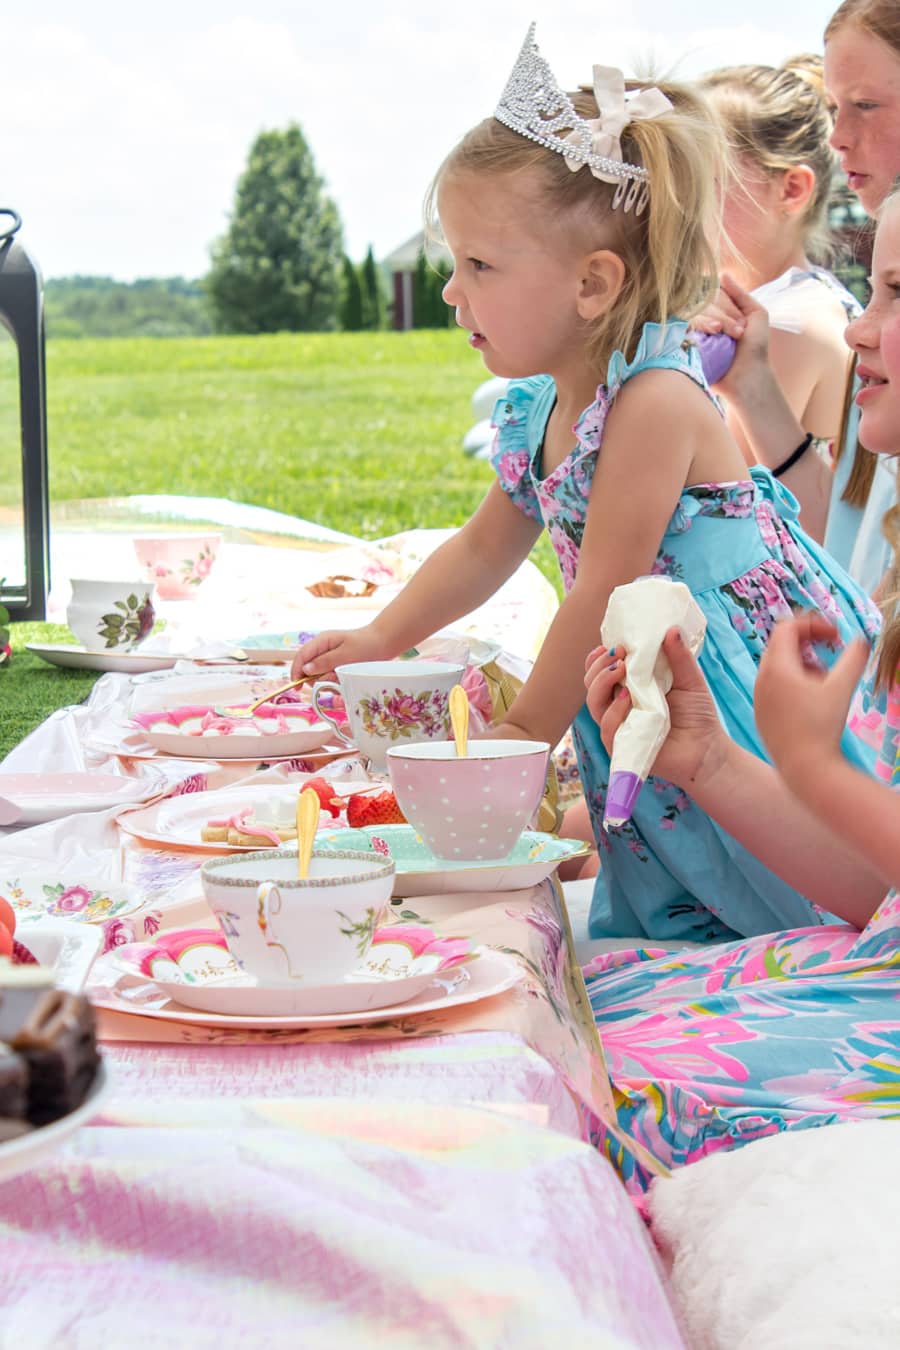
x=792, y=458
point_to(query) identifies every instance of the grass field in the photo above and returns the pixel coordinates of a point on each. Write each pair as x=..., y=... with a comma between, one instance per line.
x=360, y=432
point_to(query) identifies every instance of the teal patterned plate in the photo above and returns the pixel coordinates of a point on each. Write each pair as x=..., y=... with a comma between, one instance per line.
x=534, y=858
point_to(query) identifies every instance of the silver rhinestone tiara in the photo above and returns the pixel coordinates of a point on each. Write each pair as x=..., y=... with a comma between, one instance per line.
x=533, y=105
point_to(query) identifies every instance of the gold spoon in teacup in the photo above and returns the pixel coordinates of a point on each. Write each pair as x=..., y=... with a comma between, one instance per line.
x=308, y=808
x=459, y=719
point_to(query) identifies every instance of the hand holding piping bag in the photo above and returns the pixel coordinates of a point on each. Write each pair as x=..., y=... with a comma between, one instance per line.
x=637, y=619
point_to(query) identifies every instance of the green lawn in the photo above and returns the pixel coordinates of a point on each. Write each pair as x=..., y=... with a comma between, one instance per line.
x=357, y=431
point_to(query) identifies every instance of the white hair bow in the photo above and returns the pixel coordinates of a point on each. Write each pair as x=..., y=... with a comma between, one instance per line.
x=616, y=108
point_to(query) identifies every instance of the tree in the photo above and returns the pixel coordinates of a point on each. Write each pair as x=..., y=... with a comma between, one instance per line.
x=277, y=267
x=372, y=293
x=430, y=310
x=351, y=311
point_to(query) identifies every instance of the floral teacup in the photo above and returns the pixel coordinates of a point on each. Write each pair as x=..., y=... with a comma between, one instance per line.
x=177, y=563
x=283, y=929
x=390, y=703
x=110, y=615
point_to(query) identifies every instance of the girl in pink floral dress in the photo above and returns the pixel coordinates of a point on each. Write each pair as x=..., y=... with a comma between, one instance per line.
x=710, y=1049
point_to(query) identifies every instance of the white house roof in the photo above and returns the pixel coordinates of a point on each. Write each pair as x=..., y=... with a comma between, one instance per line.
x=404, y=258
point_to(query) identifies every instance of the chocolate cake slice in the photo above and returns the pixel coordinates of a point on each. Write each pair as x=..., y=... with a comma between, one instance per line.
x=53, y=1032
x=13, y=1094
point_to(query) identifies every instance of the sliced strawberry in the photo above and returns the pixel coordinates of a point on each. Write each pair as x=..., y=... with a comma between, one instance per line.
x=21, y=956
x=327, y=796
x=378, y=809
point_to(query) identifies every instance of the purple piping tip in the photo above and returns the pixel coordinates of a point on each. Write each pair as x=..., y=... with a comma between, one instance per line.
x=621, y=796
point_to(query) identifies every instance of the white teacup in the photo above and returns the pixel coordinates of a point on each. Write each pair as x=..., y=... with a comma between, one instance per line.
x=284, y=930
x=391, y=703
x=110, y=615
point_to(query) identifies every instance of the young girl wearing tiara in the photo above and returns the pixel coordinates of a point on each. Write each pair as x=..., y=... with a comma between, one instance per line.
x=717, y=1047
x=579, y=227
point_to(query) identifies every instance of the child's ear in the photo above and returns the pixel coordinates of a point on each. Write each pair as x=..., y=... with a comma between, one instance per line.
x=798, y=186
x=601, y=280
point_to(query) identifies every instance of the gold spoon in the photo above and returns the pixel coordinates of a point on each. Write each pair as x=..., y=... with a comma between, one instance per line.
x=249, y=709
x=459, y=719
x=308, y=808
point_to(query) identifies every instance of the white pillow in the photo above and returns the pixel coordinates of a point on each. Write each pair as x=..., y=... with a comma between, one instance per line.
x=789, y=1243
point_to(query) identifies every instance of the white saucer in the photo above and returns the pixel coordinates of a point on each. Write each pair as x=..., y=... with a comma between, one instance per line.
x=47, y=796
x=18, y=1155
x=81, y=658
x=237, y=999
x=493, y=973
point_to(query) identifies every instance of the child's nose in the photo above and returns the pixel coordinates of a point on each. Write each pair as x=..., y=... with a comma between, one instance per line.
x=838, y=140
x=449, y=291
x=863, y=331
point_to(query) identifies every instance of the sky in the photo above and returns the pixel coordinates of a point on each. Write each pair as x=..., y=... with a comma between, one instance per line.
x=127, y=126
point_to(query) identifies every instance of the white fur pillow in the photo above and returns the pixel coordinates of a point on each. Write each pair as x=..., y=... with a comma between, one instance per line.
x=790, y=1243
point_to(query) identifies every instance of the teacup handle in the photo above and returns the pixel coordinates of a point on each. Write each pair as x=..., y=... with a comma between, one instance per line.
x=268, y=905
x=329, y=686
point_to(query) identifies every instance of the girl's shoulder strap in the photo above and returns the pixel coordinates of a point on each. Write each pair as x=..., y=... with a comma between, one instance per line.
x=851, y=305
x=662, y=346
x=521, y=412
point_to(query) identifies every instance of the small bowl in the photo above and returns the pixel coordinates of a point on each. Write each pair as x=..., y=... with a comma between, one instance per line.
x=475, y=807
x=177, y=564
x=110, y=615
x=284, y=930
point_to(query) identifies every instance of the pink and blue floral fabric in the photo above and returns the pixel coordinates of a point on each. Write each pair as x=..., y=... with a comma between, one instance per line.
x=711, y=1048
x=671, y=872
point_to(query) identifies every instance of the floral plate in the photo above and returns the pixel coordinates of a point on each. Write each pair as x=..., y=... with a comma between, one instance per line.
x=418, y=872
x=39, y=896
x=194, y=968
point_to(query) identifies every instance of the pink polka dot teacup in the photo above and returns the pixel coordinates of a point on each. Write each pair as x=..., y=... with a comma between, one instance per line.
x=472, y=808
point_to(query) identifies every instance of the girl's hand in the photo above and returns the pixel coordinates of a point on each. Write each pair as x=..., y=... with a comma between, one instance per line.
x=722, y=314
x=801, y=710
x=604, y=670
x=321, y=654
x=750, y=325
x=697, y=742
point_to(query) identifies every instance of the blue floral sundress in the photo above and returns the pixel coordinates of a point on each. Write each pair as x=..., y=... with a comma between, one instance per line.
x=672, y=872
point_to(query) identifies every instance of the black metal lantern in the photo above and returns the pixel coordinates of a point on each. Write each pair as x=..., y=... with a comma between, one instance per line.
x=24, y=505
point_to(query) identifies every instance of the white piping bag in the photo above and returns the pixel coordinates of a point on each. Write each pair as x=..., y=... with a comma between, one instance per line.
x=637, y=619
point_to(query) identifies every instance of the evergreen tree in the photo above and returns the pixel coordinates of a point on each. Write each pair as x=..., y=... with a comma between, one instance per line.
x=430, y=310
x=421, y=297
x=373, y=306
x=277, y=267
x=351, y=298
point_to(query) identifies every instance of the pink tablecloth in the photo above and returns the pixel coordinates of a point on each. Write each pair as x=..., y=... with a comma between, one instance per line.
x=233, y=1220
x=425, y=1185
x=423, y=1188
